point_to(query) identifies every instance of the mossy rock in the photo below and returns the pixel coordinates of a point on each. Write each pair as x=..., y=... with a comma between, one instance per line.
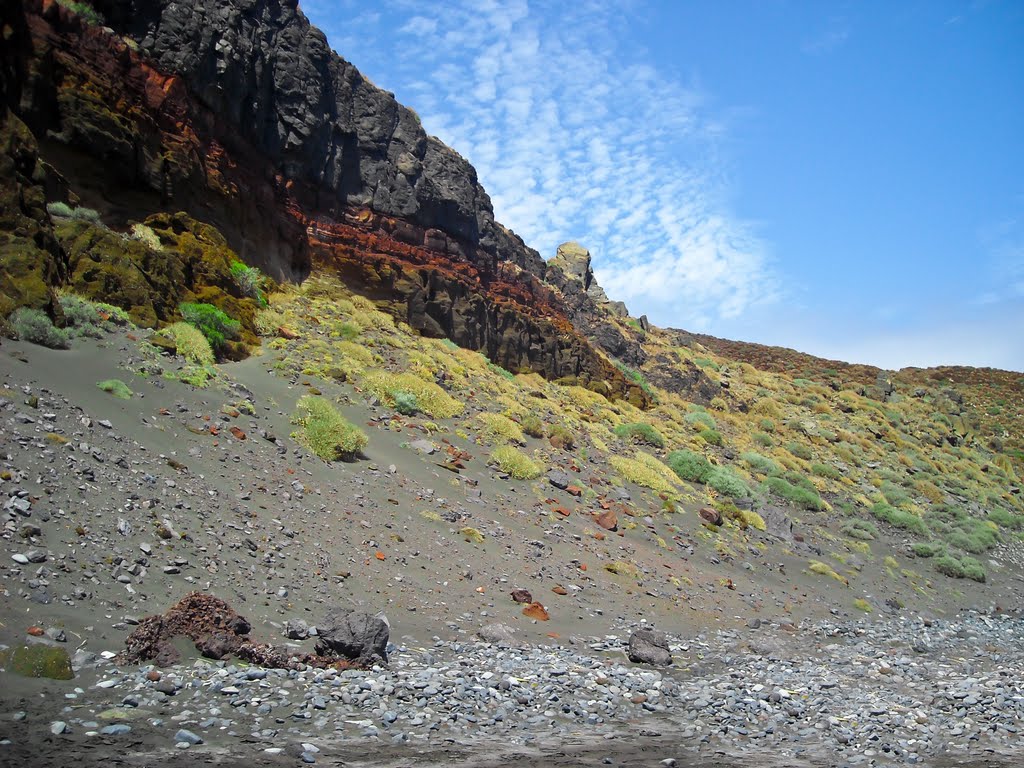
x=30, y=258
x=38, y=660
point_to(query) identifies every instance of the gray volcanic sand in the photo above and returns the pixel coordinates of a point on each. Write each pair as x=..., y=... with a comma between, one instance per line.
x=280, y=534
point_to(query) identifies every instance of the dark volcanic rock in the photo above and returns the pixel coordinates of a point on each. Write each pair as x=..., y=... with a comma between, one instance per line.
x=647, y=646
x=361, y=637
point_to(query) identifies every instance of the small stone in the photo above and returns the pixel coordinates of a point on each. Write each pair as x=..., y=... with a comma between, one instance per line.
x=188, y=737
x=57, y=727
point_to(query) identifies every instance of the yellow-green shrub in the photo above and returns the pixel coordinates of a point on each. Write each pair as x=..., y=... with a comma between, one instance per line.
x=325, y=431
x=515, y=463
x=190, y=343
x=430, y=398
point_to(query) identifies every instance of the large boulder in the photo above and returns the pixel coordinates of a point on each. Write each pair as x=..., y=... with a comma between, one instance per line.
x=648, y=646
x=361, y=637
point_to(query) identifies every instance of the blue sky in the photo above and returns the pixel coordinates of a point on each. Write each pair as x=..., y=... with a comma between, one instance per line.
x=843, y=178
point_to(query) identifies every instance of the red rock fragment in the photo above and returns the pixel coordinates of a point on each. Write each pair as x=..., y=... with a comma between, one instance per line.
x=574, y=490
x=536, y=611
x=36, y=631
x=562, y=511
x=238, y=433
x=153, y=675
x=607, y=520
x=560, y=590
x=710, y=516
x=522, y=596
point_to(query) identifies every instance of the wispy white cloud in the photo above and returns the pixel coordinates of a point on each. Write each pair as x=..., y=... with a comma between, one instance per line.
x=829, y=39
x=576, y=136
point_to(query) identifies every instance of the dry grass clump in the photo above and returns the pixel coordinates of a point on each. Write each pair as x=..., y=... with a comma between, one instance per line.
x=515, y=463
x=645, y=470
x=496, y=429
x=115, y=387
x=430, y=398
x=325, y=431
x=189, y=342
x=823, y=569
x=268, y=321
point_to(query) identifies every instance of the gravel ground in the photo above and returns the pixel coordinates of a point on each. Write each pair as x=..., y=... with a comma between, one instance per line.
x=895, y=692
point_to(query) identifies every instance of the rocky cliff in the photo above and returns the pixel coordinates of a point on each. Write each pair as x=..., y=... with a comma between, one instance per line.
x=239, y=114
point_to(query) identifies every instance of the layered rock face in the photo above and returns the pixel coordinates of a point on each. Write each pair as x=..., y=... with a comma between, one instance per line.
x=239, y=113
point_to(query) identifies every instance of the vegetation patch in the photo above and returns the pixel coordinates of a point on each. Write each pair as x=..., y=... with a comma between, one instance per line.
x=189, y=342
x=430, y=398
x=325, y=431
x=212, y=322
x=960, y=568
x=728, y=483
x=515, y=463
x=863, y=530
x=639, y=432
x=35, y=326
x=38, y=660
x=689, y=465
x=797, y=492
x=760, y=463
x=899, y=518
x=496, y=429
x=116, y=387
x=644, y=470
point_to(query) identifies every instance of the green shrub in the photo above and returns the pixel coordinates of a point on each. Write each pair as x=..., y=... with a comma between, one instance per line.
x=325, y=431
x=727, y=482
x=406, y=403
x=78, y=312
x=505, y=374
x=710, y=436
x=706, y=362
x=249, y=281
x=532, y=425
x=899, y=518
x=116, y=387
x=638, y=432
x=800, y=450
x=826, y=470
x=112, y=314
x=964, y=568
x=1005, y=519
x=689, y=466
x=894, y=494
x=637, y=378
x=798, y=494
x=212, y=321
x=702, y=418
x=762, y=464
x=59, y=209
x=515, y=463
x=863, y=530
x=958, y=529
x=189, y=342
x=85, y=10
x=763, y=440
x=768, y=425
x=35, y=326
x=926, y=548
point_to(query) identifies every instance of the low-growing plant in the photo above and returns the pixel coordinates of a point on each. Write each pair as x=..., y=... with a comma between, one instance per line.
x=826, y=470
x=430, y=398
x=763, y=440
x=700, y=420
x=35, y=326
x=325, y=431
x=800, y=450
x=496, y=428
x=644, y=470
x=515, y=463
x=406, y=403
x=212, y=321
x=81, y=316
x=115, y=387
x=824, y=569
x=249, y=281
x=689, y=465
x=762, y=464
x=83, y=9
x=796, y=493
x=532, y=425
x=927, y=548
x=862, y=605
x=639, y=432
x=710, y=436
x=899, y=518
x=727, y=482
x=189, y=342
x=962, y=568
x=863, y=530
